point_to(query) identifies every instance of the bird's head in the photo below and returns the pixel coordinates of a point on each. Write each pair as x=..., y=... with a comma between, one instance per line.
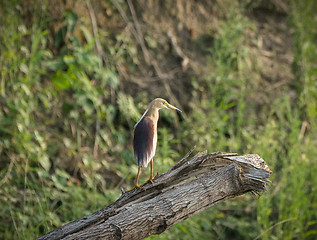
x=160, y=103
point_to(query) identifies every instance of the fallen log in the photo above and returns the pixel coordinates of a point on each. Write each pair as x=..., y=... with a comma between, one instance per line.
x=187, y=188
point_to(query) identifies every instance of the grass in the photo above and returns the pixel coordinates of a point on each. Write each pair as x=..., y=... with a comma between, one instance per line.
x=292, y=199
x=52, y=98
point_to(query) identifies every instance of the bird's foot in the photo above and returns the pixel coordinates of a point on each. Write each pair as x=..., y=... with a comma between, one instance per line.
x=137, y=186
x=151, y=179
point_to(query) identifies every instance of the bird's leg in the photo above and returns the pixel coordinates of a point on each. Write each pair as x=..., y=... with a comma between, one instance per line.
x=137, y=177
x=137, y=181
x=151, y=176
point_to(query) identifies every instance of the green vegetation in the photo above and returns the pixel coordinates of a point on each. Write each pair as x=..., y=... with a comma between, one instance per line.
x=66, y=123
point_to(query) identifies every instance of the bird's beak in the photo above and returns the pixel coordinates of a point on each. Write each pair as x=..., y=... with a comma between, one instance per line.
x=173, y=108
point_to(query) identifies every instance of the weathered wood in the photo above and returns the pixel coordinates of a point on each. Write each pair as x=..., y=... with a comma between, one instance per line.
x=184, y=190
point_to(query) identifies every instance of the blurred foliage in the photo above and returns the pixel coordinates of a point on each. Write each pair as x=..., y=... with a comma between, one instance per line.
x=66, y=125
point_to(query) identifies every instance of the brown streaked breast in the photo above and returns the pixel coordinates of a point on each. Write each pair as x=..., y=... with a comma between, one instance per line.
x=144, y=136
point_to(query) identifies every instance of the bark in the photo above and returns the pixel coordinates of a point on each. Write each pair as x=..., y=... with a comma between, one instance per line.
x=187, y=188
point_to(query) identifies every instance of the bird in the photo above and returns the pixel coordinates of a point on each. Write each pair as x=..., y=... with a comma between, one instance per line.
x=145, y=136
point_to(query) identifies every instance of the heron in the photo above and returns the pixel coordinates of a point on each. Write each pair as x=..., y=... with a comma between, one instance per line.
x=145, y=136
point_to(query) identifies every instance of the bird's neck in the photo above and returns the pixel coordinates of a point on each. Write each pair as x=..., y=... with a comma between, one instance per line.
x=152, y=113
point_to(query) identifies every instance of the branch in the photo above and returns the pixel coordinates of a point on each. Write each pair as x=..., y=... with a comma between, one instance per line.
x=187, y=188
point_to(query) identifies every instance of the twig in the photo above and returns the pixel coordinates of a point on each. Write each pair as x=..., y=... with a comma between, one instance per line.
x=100, y=54
x=180, y=162
x=139, y=33
x=125, y=18
x=273, y=226
x=103, y=59
x=303, y=129
x=25, y=183
x=95, y=150
x=14, y=224
x=178, y=50
x=95, y=32
x=6, y=176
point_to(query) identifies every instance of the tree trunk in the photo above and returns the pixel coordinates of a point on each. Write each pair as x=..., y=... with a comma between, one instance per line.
x=187, y=188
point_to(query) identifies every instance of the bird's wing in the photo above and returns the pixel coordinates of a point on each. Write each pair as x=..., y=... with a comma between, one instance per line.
x=144, y=141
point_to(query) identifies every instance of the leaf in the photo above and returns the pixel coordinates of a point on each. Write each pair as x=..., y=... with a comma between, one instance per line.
x=45, y=162
x=66, y=108
x=24, y=68
x=108, y=77
x=69, y=60
x=67, y=142
x=87, y=34
x=71, y=20
x=61, y=81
